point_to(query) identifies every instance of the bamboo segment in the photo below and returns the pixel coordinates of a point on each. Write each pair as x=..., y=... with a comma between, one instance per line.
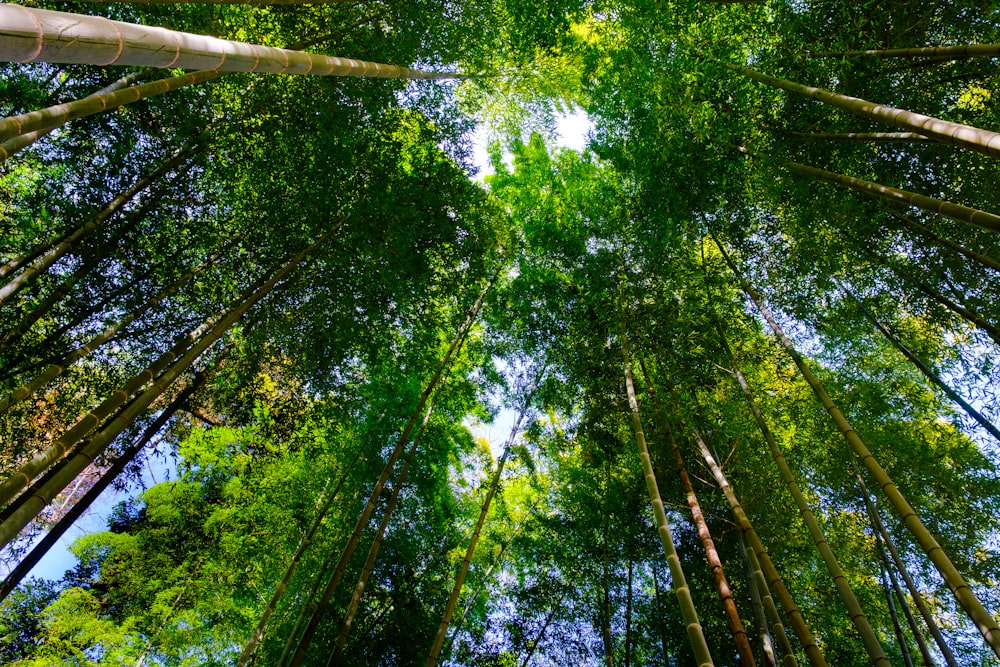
x=11, y=146
x=369, y=566
x=762, y=610
x=39, y=550
x=690, y=615
x=918, y=598
x=872, y=137
x=39, y=35
x=733, y=619
x=795, y=618
x=923, y=368
x=965, y=136
x=984, y=621
x=923, y=230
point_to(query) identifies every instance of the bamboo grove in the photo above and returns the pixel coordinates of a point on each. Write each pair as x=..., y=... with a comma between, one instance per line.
x=256, y=312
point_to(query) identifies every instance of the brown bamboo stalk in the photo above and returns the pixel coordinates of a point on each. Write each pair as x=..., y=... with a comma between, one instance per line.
x=733, y=619
x=966, y=598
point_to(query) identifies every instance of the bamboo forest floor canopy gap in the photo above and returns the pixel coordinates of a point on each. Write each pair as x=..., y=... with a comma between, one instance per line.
x=732, y=262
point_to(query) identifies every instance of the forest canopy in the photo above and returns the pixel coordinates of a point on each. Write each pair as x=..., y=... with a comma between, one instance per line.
x=718, y=389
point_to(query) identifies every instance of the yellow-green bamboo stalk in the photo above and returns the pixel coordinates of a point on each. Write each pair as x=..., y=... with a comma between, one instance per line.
x=966, y=598
x=847, y=596
x=965, y=136
x=703, y=656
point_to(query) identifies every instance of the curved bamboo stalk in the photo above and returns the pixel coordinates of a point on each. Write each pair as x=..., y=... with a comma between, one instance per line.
x=966, y=598
x=964, y=136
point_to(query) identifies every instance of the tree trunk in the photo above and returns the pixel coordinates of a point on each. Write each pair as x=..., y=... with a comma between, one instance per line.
x=699, y=646
x=760, y=554
x=984, y=621
x=404, y=437
x=847, y=596
x=965, y=136
x=733, y=619
x=897, y=627
x=966, y=214
x=918, y=598
x=923, y=230
x=60, y=367
x=869, y=137
x=39, y=35
x=47, y=259
x=95, y=445
x=541, y=634
x=923, y=368
x=456, y=590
